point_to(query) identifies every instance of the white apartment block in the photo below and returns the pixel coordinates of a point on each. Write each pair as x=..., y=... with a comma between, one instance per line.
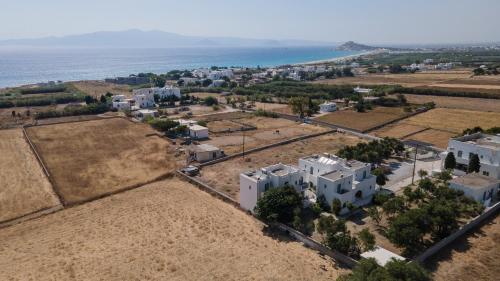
x=144, y=99
x=121, y=103
x=332, y=177
x=161, y=92
x=487, y=147
x=254, y=183
x=219, y=74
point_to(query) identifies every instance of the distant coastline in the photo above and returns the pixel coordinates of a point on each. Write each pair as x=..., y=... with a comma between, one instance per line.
x=28, y=66
x=339, y=59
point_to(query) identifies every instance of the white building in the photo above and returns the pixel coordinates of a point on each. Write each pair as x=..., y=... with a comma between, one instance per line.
x=328, y=107
x=189, y=80
x=161, y=92
x=217, y=83
x=362, y=90
x=145, y=113
x=198, y=132
x=121, y=103
x=333, y=177
x=205, y=152
x=219, y=74
x=478, y=187
x=201, y=73
x=254, y=183
x=487, y=147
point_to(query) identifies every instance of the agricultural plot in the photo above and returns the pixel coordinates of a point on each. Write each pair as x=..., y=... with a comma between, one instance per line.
x=222, y=126
x=98, y=88
x=457, y=102
x=224, y=176
x=168, y=230
x=94, y=158
x=363, y=121
x=441, y=124
x=24, y=188
x=268, y=131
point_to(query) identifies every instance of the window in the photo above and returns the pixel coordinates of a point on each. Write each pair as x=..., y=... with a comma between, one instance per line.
x=266, y=187
x=339, y=188
x=364, y=174
x=470, y=155
x=486, y=173
x=459, y=153
x=311, y=171
x=484, y=196
x=325, y=186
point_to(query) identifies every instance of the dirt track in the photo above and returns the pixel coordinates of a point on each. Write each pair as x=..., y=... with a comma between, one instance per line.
x=168, y=230
x=92, y=158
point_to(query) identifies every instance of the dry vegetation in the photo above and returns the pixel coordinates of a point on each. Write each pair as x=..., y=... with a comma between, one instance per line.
x=7, y=121
x=92, y=158
x=98, y=88
x=474, y=256
x=224, y=176
x=168, y=230
x=457, y=102
x=441, y=125
x=365, y=120
x=269, y=130
x=24, y=189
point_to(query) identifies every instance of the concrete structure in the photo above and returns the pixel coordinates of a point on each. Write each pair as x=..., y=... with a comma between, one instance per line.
x=362, y=90
x=145, y=113
x=254, y=183
x=328, y=107
x=144, y=99
x=336, y=178
x=121, y=103
x=480, y=188
x=163, y=93
x=219, y=74
x=198, y=132
x=381, y=255
x=487, y=147
x=332, y=177
x=204, y=152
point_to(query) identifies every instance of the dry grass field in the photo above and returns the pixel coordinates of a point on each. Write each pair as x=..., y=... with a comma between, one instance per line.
x=167, y=230
x=457, y=102
x=224, y=176
x=92, y=158
x=365, y=120
x=24, y=189
x=472, y=257
x=266, y=133
x=442, y=124
x=98, y=88
x=7, y=121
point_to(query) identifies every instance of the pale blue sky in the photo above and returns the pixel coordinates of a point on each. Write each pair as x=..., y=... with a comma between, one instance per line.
x=375, y=21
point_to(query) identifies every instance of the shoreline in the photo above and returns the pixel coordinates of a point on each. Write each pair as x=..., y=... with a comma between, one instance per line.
x=337, y=59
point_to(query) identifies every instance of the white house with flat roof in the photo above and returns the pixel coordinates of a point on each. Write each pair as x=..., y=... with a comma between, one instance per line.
x=164, y=92
x=362, y=90
x=328, y=107
x=204, y=152
x=254, y=183
x=487, y=147
x=478, y=187
x=332, y=177
x=198, y=132
x=121, y=103
x=145, y=113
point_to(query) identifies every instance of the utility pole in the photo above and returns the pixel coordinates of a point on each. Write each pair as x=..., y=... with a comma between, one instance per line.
x=414, y=164
x=243, y=130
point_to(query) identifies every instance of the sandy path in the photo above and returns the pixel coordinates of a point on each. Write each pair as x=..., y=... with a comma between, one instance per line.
x=169, y=230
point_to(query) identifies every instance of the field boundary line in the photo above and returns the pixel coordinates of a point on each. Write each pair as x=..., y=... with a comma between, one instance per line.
x=297, y=235
x=414, y=133
x=32, y=215
x=418, y=111
x=75, y=121
x=257, y=149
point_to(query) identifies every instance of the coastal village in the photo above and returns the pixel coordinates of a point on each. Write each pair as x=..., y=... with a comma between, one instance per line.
x=332, y=163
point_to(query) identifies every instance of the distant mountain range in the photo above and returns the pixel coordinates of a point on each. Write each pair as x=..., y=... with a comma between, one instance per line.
x=159, y=39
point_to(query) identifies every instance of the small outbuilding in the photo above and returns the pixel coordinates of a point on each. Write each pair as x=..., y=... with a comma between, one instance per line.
x=204, y=152
x=198, y=132
x=145, y=113
x=479, y=187
x=381, y=255
x=328, y=107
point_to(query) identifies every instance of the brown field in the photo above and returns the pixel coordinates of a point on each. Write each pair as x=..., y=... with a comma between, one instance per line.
x=224, y=125
x=224, y=176
x=7, y=121
x=93, y=158
x=442, y=124
x=457, y=102
x=98, y=88
x=265, y=134
x=24, y=188
x=472, y=257
x=224, y=116
x=167, y=230
x=363, y=121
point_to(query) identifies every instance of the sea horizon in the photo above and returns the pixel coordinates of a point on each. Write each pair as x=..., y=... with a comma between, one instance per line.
x=30, y=65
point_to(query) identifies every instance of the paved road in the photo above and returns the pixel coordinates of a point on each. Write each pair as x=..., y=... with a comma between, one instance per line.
x=402, y=173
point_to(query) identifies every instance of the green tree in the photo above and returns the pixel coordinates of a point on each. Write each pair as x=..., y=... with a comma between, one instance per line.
x=474, y=164
x=103, y=99
x=336, y=206
x=157, y=81
x=381, y=179
x=89, y=99
x=450, y=162
x=393, y=206
x=402, y=270
x=408, y=229
x=298, y=105
x=210, y=101
x=367, y=239
x=422, y=173
x=278, y=204
x=374, y=214
x=394, y=270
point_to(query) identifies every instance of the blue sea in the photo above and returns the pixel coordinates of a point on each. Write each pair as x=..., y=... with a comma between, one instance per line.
x=19, y=66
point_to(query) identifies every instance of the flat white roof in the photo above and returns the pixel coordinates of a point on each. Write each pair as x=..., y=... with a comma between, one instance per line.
x=381, y=255
x=197, y=127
